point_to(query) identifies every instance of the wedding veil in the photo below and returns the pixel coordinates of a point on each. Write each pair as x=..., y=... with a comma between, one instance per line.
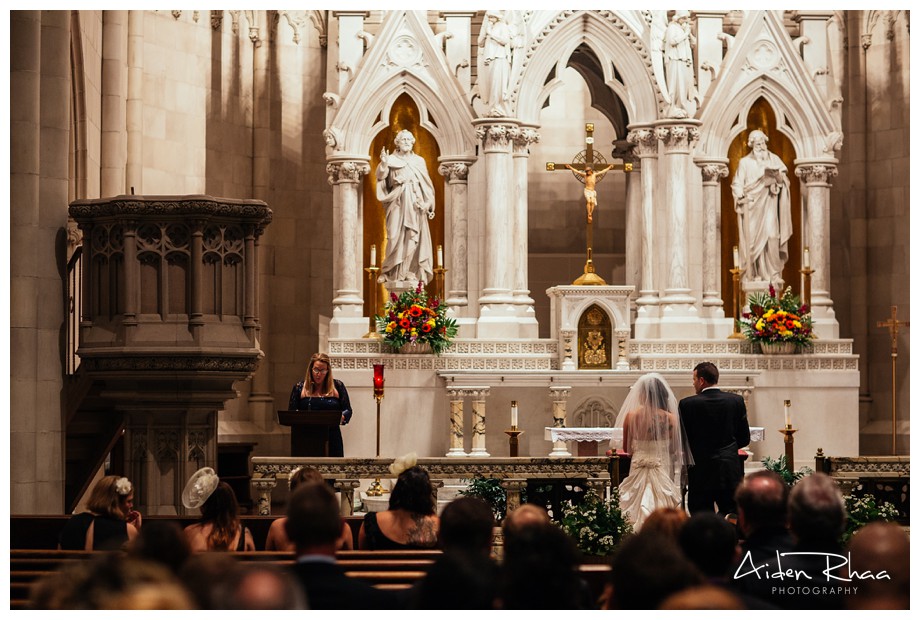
x=651, y=426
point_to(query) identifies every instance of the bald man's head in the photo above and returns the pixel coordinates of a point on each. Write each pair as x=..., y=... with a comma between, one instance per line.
x=875, y=548
x=762, y=498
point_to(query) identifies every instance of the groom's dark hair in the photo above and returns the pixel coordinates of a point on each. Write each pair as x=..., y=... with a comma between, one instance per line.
x=708, y=372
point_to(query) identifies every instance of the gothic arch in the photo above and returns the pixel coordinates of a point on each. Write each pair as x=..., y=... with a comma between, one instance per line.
x=614, y=43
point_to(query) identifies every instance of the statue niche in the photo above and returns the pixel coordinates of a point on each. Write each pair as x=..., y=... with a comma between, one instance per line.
x=594, y=339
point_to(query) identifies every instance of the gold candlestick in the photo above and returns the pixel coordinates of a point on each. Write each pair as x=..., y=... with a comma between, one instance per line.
x=513, y=434
x=737, y=303
x=806, y=285
x=372, y=287
x=439, y=282
x=789, y=441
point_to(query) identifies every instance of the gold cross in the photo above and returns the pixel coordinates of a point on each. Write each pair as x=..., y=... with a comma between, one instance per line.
x=552, y=166
x=893, y=324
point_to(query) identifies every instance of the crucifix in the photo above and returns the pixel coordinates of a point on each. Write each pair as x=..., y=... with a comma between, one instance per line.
x=589, y=167
x=893, y=324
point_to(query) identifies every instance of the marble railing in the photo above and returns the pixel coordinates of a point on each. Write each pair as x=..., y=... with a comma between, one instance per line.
x=347, y=473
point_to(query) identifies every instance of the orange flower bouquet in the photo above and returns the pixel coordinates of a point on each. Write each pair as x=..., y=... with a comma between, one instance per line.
x=773, y=319
x=414, y=318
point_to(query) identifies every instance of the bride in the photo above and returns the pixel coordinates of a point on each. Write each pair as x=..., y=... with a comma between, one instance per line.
x=653, y=437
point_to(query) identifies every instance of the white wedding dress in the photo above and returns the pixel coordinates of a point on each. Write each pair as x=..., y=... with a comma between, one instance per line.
x=650, y=484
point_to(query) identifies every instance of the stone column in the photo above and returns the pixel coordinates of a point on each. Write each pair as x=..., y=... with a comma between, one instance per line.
x=456, y=174
x=345, y=175
x=134, y=114
x=625, y=151
x=479, y=422
x=497, y=309
x=816, y=176
x=513, y=488
x=346, y=488
x=456, y=422
x=622, y=342
x=645, y=146
x=114, y=87
x=521, y=140
x=263, y=488
x=568, y=363
x=679, y=316
x=559, y=395
x=713, y=170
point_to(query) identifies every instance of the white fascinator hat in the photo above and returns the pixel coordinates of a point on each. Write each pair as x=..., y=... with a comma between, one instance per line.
x=199, y=487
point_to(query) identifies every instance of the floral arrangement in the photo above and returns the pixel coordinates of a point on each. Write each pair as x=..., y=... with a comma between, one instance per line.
x=597, y=525
x=775, y=319
x=780, y=467
x=414, y=318
x=865, y=509
x=491, y=492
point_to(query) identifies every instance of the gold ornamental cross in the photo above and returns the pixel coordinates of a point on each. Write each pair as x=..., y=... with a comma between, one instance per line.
x=589, y=168
x=893, y=324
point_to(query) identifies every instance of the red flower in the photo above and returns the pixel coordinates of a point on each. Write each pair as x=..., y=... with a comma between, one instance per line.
x=404, y=323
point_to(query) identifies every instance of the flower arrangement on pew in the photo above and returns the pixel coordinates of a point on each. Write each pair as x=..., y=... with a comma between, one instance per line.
x=414, y=318
x=597, y=525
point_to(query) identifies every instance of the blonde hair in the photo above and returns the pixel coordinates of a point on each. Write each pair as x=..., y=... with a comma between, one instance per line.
x=328, y=385
x=104, y=499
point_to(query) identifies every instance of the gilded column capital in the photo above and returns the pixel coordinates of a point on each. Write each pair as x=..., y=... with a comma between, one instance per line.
x=347, y=171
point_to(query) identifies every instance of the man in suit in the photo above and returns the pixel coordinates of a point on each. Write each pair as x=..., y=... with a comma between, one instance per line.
x=716, y=425
x=314, y=526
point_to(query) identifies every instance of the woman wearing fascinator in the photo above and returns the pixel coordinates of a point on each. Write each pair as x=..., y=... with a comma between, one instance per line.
x=110, y=520
x=654, y=439
x=219, y=528
x=411, y=521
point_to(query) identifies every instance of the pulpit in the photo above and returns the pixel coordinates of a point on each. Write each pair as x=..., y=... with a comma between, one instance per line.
x=310, y=430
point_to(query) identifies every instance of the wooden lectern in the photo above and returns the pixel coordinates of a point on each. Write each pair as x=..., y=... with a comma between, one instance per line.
x=310, y=430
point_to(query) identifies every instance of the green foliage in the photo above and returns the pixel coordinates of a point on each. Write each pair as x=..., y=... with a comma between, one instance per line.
x=779, y=466
x=490, y=490
x=866, y=509
x=597, y=525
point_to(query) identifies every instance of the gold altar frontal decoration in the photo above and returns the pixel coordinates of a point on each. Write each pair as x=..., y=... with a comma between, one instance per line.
x=594, y=339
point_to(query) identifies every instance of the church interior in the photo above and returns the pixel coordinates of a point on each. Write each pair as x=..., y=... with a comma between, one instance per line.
x=197, y=207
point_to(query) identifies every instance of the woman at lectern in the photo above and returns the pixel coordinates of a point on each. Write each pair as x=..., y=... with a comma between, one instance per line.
x=320, y=392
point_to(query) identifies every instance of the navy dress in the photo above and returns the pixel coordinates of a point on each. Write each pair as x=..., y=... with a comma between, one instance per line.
x=325, y=403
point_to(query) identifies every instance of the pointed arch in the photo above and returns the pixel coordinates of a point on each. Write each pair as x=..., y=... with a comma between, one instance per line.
x=618, y=48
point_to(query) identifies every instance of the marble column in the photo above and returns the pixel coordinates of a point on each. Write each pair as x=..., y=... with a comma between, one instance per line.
x=559, y=395
x=713, y=171
x=345, y=176
x=513, y=488
x=263, y=490
x=626, y=151
x=113, y=146
x=622, y=336
x=455, y=395
x=134, y=113
x=816, y=178
x=568, y=362
x=645, y=147
x=679, y=315
x=479, y=422
x=497, y=308
x=456, y=175
x=521, y=140
x=346, y=488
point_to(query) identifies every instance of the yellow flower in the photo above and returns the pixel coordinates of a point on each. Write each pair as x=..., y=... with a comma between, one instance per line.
x=768, y=313
x=758, y=325
x=797, y=323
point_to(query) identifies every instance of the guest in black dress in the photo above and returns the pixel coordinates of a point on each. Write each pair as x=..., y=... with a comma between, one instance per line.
x=410, y=522
x=110, y=520
x=320, y=392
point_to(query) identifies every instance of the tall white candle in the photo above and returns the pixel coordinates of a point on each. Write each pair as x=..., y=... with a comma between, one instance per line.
x=806, y=263
x=735, y=260
x=373, y=255
x=787, y=415
x=440, y=255
x=514, y=414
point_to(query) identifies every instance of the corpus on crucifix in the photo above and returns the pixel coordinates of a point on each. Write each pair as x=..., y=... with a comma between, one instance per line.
x=589, y=167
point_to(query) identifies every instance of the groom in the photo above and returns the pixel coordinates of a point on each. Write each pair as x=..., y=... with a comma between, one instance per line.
x=716, y=425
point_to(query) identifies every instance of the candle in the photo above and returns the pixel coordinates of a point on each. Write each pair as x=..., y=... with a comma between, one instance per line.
x=440, y=255
x=378, y=379
x=806, y=263
x=373, y=255
x=514, y=414
x=735, y=260
x=787, y=404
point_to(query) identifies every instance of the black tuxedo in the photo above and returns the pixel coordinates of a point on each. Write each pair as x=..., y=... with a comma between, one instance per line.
x=716, y=426
x=328, y=587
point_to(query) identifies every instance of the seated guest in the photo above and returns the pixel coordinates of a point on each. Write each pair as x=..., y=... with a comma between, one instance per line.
x=410, y=522
x=277, y=540
x=162, y=542
x=314, y=526
x=646, y=570
x=465, y=577
x=665, y=521
x=261, y=586
x=880, y=547
x=220, y=528
x=110, y=520
x=703, y=597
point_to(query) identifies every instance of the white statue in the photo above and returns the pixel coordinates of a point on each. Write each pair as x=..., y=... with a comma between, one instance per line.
x=407, y=194
x=676, y=45
x=497, y=39
x=761, y=191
